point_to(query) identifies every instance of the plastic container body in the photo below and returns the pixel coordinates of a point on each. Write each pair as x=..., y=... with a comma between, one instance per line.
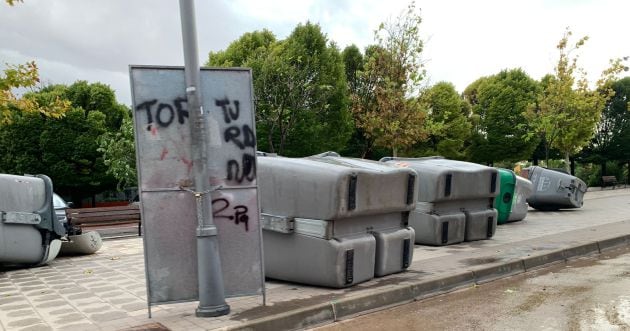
x=553, y=190
x=522, y=192
x=310, y=260
x=444, y=180
x=438, y=229
x=333, y=187
x=327, y=220
x=455, y=200
x=29, y=228
x=503, y=202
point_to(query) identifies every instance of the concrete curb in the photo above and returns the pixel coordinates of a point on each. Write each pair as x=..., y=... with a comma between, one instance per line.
x=421, y=289
x=613, y=243
x=488, y=273
x=543, y=259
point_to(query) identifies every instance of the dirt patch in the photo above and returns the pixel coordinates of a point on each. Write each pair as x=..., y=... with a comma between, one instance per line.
x=533, y=301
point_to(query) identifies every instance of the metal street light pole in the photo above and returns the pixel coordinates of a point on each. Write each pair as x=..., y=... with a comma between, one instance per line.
x=211, y=292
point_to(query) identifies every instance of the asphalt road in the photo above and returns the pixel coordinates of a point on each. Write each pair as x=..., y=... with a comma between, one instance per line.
x=585, y=294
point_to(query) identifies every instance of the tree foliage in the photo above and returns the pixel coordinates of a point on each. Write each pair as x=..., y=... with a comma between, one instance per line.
x=299, y=86
x=448, y=122
x=65, y=148
x=250, y=46
x=499, y=103
x=359, y=144
x=25, y=76
x=119, y=153
x=612, y=137
x=392, y=74
x=567, y=111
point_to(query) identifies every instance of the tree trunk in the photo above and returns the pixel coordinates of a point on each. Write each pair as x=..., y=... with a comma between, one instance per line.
x=535, y=160
x=567, y=162
x=394, y=151
x=603, y=168
x=270, y=142
x=573, y=166
x=546, y=156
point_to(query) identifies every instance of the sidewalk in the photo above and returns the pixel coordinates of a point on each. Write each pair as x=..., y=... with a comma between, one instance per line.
x=106, y=291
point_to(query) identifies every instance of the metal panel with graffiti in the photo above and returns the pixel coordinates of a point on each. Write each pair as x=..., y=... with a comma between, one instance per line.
x=165, y=170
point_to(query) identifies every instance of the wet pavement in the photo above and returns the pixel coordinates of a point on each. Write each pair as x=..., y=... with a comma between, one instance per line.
x=106, y=291
x=585, y=294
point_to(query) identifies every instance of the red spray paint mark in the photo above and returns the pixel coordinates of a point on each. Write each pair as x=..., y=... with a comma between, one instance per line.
x=215, y=181
x=164, y=152
x=154, y=130
x=188, y=163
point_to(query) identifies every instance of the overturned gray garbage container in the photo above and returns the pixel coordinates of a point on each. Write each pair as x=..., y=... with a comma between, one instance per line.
x=455, y=200
x=554, y=189
x=334, y=222
x=29, y=228
x=522, y=192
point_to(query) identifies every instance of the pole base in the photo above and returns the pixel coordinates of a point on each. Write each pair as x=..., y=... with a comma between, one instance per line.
x=212, y=311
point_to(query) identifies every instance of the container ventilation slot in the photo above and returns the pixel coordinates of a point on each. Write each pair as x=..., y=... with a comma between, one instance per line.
x=352, y=192
x=447, y=187
x=444, y=232
x=410, y=187
x=406, y=255
x=349, y=266
x=490, y=223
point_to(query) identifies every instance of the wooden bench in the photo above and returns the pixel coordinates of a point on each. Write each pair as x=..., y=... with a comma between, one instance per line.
x=609, y=180
x=85, y=217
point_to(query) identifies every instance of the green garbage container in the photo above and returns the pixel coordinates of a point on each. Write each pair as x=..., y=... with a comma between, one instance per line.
x=503, y=202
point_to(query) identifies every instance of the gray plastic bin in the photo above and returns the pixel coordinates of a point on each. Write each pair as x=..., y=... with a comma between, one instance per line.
x=394, y=250
x=455, y=200
x=333, y=188
x=444, y=180
x=553, y=190
x=338, y=263
x=322, y=201
x=480, y=224
x=29, y=228
x=522, y=192
x=438, y=229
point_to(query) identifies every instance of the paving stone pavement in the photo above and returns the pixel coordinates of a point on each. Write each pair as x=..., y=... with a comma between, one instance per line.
x=106, y=291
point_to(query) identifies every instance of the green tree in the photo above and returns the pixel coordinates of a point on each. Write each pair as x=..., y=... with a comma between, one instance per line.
x=359, y=90
x=392, y=75
x=568, y=111
x=353, y=63
x=66, y=148
x=612, y=136
x=300, y=89
x=617, y=115
x=499, y=103
x=448, y=122
x=250, y=46
x=25, y=76
x=97, y=97
x=119, y=154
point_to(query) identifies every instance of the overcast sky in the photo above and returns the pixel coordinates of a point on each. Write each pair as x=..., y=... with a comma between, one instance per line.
x=97, y=40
